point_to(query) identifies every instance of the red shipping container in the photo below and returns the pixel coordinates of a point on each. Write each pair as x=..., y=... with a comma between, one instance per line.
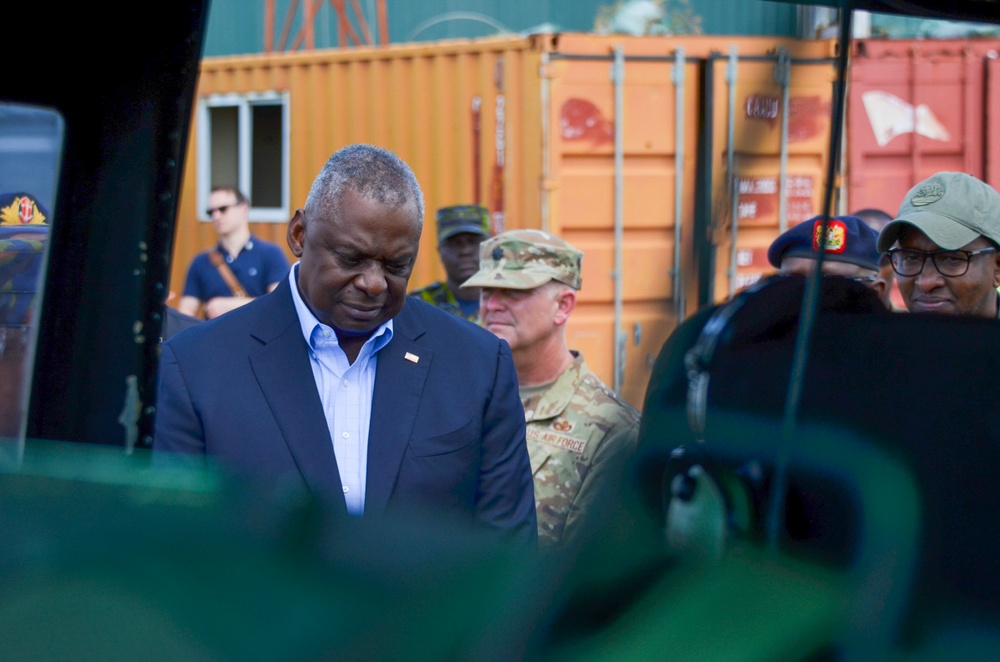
x=916, y=108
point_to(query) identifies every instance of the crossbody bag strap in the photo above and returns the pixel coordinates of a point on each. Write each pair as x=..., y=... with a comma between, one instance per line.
x=227, y=274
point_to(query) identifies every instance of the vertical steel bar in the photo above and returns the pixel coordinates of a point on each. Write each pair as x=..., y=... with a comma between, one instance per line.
x=677, y=78
x=546, y=92
x=477, y=130
x=915, y=175
x=734, y=193
x=618, y=80
x=783, y=76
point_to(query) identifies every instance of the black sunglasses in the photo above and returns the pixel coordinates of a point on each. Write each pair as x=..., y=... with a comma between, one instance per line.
x=221, y=209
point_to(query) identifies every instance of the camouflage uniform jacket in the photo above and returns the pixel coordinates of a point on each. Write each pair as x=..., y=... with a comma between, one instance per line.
x=440, y=295
x=580, y=434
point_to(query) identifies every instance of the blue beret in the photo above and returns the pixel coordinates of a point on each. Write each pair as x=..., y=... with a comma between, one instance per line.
x=848, y=239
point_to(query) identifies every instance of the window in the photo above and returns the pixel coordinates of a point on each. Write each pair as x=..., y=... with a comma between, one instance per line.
x=243, y=142
x=31, y=142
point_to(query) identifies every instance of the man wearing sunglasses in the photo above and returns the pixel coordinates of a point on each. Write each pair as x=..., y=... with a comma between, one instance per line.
x=943, y=246
x=238, y=269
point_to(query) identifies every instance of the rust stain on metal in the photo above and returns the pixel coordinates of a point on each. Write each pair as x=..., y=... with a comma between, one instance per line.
x=808, y=117
x=580, y=119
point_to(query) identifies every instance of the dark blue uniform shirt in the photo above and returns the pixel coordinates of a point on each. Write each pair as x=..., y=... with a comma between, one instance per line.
x=258, y=266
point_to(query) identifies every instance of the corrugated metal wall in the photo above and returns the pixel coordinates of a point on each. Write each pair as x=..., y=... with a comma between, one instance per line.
x=237, y=26
x=916, y=108
x=747, y=17
x=415, y=100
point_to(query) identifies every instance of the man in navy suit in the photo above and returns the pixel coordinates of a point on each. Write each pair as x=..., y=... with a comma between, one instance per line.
x=338, y=383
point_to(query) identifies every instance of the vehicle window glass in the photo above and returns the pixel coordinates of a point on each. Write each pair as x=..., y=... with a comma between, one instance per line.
x=31, y=141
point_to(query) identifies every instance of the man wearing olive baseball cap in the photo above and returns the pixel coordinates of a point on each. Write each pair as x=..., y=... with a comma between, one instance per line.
x=943, y=246
x=580, y=433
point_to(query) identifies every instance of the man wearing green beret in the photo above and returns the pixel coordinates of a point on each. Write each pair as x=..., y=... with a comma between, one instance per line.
x=580, y=432
x=461, y=229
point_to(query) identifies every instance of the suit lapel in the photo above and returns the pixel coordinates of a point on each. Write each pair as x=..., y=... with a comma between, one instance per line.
x=399, y=380
x=281, y=365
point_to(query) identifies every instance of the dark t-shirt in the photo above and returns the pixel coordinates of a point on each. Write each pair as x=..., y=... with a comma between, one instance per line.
x=258, y=266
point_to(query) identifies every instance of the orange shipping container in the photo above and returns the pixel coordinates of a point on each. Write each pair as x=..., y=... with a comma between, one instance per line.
x=619, y=144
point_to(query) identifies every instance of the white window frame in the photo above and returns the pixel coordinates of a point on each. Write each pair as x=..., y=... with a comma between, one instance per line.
x=244, y=104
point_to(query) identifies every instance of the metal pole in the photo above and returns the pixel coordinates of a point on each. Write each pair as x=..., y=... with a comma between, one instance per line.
x=677, y=78
x=546, y=137
x=477, y=129
x=775, y=517
x=782, y=74
x=618, y=80
x=734, y=193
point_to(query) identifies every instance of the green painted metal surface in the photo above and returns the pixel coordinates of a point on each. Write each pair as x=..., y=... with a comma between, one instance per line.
x=237, y=26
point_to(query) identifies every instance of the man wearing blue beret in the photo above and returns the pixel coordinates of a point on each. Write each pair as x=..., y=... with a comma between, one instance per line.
x=849, y=248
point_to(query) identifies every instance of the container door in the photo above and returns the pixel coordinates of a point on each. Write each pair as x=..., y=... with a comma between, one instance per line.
x=913, y=109
x=582, y=194
x=779, y=123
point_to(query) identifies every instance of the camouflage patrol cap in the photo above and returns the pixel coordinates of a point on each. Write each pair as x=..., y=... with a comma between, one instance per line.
x=454, y=220
x=524, y=260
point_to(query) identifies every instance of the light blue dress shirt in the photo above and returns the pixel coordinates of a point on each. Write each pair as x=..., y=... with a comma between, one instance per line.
x=345, y=389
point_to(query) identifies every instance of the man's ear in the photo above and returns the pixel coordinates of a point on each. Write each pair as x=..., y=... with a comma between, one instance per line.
x=296, y=233
x=565, y=303
x=996, y=268
x=880, y=287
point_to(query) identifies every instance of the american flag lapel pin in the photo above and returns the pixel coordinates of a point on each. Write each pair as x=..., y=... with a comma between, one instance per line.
x=412, y=358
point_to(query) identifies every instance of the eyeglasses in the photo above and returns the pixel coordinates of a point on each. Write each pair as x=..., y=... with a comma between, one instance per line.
x=865, y=280
x=908, y=262
x=221, y=209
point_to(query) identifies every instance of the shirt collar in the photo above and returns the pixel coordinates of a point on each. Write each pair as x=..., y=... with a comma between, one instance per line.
x=308, y=322
x=246, y=247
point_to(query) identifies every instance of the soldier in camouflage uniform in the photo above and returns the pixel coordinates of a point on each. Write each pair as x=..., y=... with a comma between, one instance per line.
x=580, y=433
x=460, y=231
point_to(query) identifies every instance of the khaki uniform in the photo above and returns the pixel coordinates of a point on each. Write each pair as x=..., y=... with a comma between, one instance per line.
x=580, y=434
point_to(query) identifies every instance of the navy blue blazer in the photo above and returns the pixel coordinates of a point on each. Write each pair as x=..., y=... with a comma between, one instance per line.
x=447, y=432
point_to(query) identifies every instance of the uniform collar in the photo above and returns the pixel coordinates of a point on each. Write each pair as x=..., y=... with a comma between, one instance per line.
x=555, y=400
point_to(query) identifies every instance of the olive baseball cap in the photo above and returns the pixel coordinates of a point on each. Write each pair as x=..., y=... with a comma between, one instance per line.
x=524, y=260
x=474, y=219
x=951, y=208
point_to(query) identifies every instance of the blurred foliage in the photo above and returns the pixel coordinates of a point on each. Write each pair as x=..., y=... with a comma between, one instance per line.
x=648, y=17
